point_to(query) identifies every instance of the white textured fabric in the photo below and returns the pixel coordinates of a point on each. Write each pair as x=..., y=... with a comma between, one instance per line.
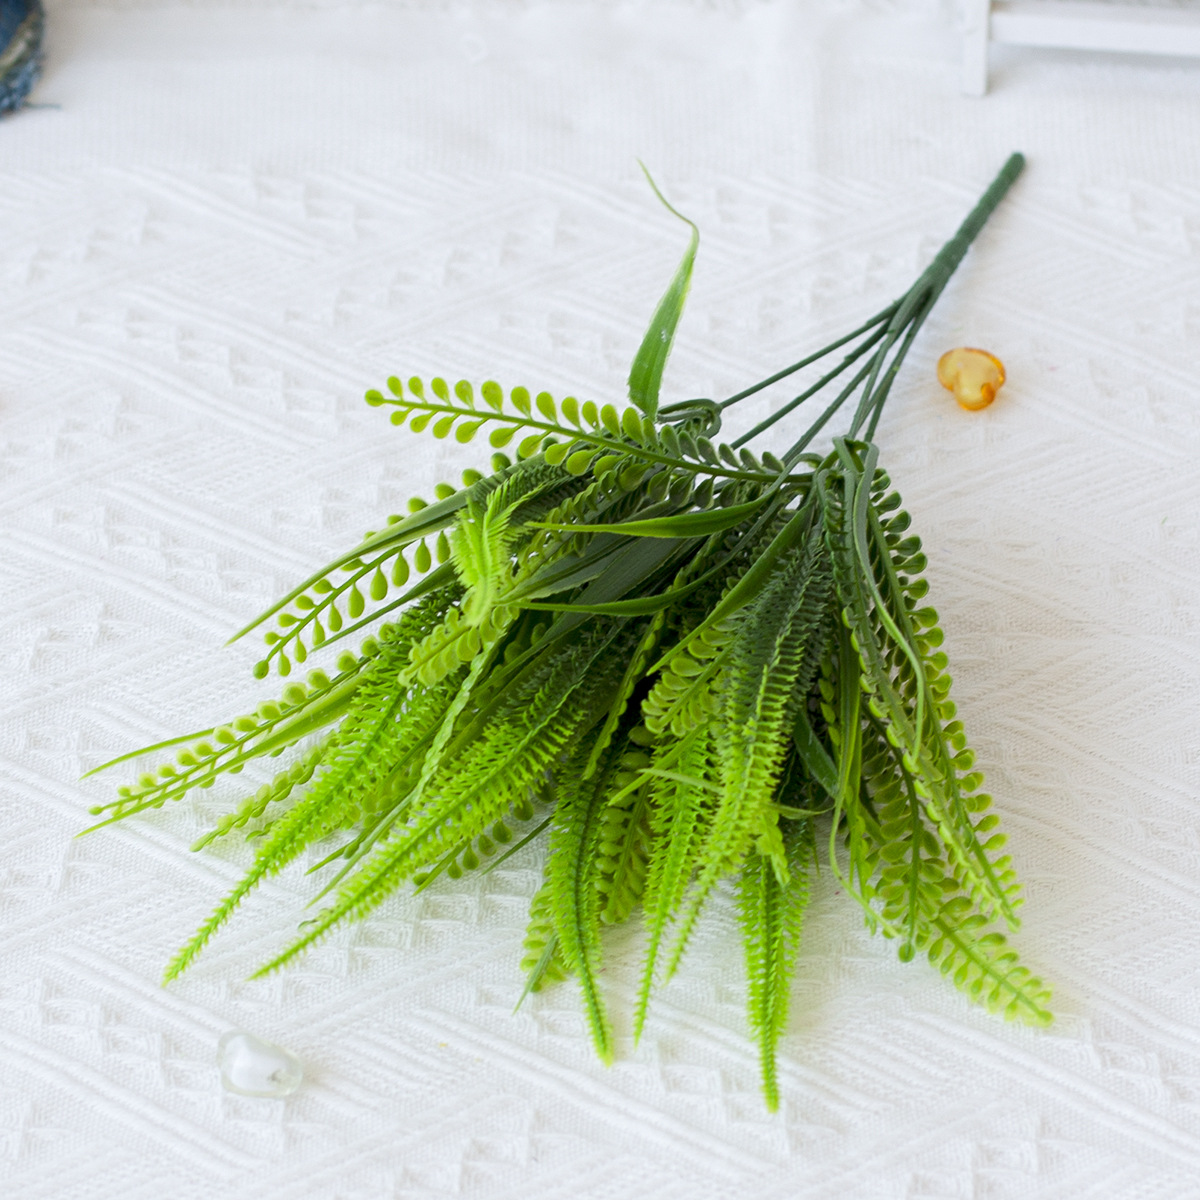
x=236, y=220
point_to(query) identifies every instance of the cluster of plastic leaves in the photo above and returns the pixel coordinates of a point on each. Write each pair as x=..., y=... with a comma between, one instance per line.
x=676, y=661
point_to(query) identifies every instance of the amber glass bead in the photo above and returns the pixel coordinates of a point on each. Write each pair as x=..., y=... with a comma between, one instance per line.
x=974, y=376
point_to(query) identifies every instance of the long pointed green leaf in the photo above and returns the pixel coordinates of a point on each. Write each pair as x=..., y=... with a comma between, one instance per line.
x=311, y=718
x=630, y=566
x=814, y=756
x=692, y=524
x=643, y=606
x=112, y=762
x=533, y=833
x=645, y=376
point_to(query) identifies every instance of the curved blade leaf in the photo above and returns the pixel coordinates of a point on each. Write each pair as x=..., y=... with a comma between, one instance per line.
x=645, y=376
x=691, y=524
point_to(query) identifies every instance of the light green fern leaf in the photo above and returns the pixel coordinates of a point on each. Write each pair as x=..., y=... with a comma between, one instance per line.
x=771, y=912
x=278, y=791
x=683, y=799
x=471, y=792
x=622, y=849
x=542, y=960
x=353, y=764
x=772, y=663
x=981, y=963
x=773, y=657
x=685, y=694
x=573, y=873
x=484, y=537
x=910, y=724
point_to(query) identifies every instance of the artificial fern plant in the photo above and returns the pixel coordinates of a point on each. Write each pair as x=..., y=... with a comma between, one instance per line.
x=671, y=659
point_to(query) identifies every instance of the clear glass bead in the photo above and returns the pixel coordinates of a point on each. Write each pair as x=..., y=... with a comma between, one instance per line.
x=252, y=1067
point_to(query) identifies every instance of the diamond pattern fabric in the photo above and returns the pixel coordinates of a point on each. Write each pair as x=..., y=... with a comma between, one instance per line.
x=224, y=223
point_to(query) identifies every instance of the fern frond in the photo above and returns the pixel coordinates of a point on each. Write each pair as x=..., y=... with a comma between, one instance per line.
x=905, y=853
x=682, y=803
x=453, y=644
x=776, y=647
x=773, y=657
x=990, y=881
x=315, y=613
x=411, y=780
x=300, y=711
x=573, y=872
x=900, y=696
x=467, y=795
x=277, y=791
x=489, y=528
x=542, y=960
x=685, y=693
x=982, y=965
x=632, y=677
x=622, y=850
x=770, y=911
x=585, y=437
x=353, y=762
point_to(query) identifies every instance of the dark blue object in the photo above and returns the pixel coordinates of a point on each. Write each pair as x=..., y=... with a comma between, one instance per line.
x=21, y=25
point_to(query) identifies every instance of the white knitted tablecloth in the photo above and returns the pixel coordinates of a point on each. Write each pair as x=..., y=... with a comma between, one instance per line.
x=227, y=222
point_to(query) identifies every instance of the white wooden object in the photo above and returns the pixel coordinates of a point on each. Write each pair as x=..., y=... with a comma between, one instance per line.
x=1075, y=25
